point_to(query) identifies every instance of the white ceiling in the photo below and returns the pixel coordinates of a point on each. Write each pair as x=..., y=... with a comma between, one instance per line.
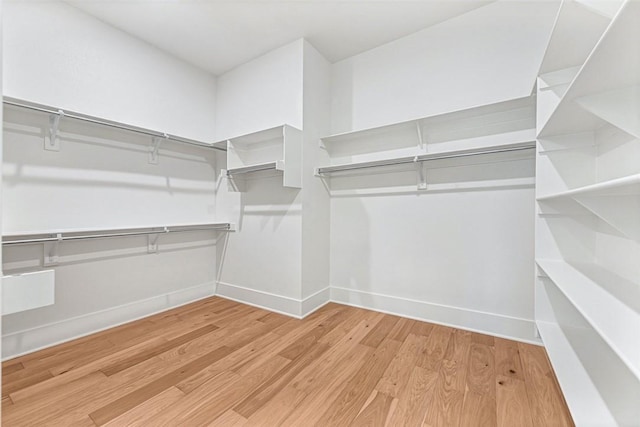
x=218, y=35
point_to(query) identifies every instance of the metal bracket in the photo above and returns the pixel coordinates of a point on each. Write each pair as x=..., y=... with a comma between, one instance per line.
x=422, y=174
x=155, y=148
x=152, y=241
x=51, y=254
x=52, y=141
x=421, y=142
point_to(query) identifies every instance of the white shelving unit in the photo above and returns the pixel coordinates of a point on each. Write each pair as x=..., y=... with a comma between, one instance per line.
x=588, y=209
x=487, y=130
x=277, y=149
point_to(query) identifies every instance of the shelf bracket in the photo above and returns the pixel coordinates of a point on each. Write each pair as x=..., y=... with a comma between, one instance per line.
x=155, y=148
x=421, y=173
x=152, y=241
x=52, y=140
x=421, y=143
x=51, y=252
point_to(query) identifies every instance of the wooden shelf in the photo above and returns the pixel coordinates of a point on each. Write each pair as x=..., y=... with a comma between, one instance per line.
x=626, y=186
x=606, y=301
x=598, y=75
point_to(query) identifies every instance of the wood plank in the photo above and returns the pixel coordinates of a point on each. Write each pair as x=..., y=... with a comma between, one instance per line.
x=512, y=402
x=269, y=388
x=545, y=399
x=402, y=329
x=380, y=331
x=508, y=361
x=139, y=415
x=414, y=398
x=11, y=367
x=376, y=411
x=229, y=419
x=326, y=384
x=131, y=400
x=217, y=396
x=278, y=408
x=433, y=354
x=396, y=377
x=347, y=405
x=444, y=408
x=156, y=350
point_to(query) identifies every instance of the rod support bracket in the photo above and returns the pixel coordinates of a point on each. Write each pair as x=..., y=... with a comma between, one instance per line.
x=421, y=142
x=421, y=173
x=154, y=149
x=51, y=252
x=52, y=140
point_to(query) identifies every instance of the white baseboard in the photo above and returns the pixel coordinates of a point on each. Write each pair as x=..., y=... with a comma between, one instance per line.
x=22, y=342
x=269, y=301
x=313, y=302
x=476, y=321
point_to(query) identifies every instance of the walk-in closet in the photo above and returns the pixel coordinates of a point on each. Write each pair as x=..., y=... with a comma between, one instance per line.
x=320, y=213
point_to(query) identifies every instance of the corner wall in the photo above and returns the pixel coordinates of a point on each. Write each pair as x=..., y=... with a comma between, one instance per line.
x=459, y=254
x=101, y=178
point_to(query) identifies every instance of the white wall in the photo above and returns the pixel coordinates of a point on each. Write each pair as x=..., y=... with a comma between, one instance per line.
x=261, y=263
x=263, y=93
x=56, y=55
x=315, y=197
x=487, y=55
x=455, y=254
x=101, y=178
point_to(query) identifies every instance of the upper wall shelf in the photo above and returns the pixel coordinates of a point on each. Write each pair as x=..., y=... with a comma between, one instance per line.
x=278, y=148
x=508, y=122
x=504, y=148
x=600, y=80
x=57, y=114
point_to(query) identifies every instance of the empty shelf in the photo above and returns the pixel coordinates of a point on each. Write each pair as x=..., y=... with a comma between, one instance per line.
x=255, y=168
x=626, y=186
x=604, y=305
x=428, y=157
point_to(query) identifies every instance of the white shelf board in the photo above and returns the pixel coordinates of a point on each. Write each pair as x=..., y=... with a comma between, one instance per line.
x=437, y=118
x=597, y=75
x=428, y=157
x=575, y=32
x=585, y=402
x=22, y=233
x=256, y=137
x=626, y=186
x=277, y=165
x=610, y=316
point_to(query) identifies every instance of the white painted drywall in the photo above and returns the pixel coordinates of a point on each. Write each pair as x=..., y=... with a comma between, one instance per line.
x=263, y=93
x=315, y=196
x=488, y=55
x=455, y=256
x=101, y=178
x=57, y=55
x=263, y=259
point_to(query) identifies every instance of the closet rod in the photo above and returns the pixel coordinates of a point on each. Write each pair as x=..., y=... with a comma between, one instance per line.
x=103, y=234
x=104, y=122
x=424, y=158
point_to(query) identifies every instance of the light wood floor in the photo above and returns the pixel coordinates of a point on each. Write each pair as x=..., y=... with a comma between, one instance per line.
x=220, y=363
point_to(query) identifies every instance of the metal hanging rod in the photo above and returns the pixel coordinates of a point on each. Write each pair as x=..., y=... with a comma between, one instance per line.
x=427, y=157
x=104, y=122
x=26, y=239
